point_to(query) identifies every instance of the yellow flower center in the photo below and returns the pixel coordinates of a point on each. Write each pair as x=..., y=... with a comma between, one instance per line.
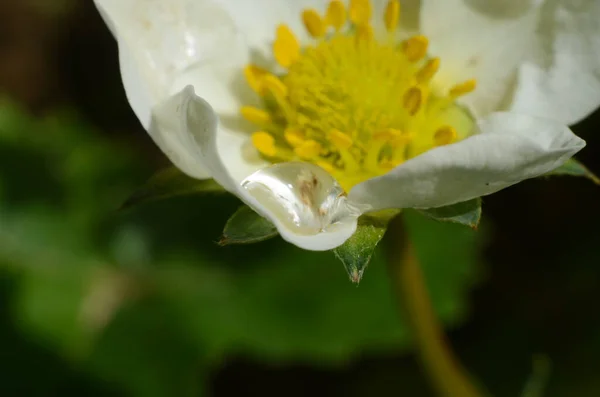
x=351, y=103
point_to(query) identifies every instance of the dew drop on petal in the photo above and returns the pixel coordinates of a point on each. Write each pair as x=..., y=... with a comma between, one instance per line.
x=305, y=198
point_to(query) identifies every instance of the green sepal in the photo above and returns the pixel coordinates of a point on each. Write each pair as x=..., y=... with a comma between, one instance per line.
x=357, y=251
x=171, y=182
x=574, y=168
x=246, y=227
x=467, y=213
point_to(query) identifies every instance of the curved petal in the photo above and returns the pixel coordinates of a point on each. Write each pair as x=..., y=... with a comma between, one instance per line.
x=481, y=39
x=567, y=86
x=303, y=201
x=158, y=43
x=508, y=149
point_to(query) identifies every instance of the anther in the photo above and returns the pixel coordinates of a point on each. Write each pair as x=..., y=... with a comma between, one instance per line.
x=286, y=48
x=444, y=135
x=392, y=15
x=264, y=143
x=308, y=150
x=413, y=99
x=360, y=11
x=314, y=23
x=426, y=73
x=462, y=88
x=255, y=115
x=415, y=48
x=336, y=14
x=254, y=76
x=340, y=140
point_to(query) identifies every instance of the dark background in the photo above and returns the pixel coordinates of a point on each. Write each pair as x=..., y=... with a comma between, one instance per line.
x=144, y=303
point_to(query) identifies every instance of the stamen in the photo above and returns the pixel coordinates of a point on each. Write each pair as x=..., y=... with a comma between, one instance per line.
x=415, y=48
x=255, y=115
x=254, y=76
x=462, y=88
x=314, y=23
x=273, y=85
x=265, y=143
x=413, y=99
x=364, y=32
x=387, y=134
x=326, y=166
x=445, y=135
x=308, y=150
x=286, y=48
x=336, y=14
x=394, y=137
x=392, y=15
x=339, y=140
x=360, y=12
x=294, y=137
x=426, y=73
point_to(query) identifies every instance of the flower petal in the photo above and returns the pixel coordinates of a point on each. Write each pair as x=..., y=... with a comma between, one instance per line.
x=566, y=85
x=485, y=40
x=164, y=46
x=508, y=148
x=303, y=201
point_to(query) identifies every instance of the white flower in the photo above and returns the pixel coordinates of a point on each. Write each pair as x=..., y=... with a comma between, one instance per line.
x=357, y=117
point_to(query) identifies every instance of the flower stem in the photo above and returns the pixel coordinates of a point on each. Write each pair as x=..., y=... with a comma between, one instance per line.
x=448, y=376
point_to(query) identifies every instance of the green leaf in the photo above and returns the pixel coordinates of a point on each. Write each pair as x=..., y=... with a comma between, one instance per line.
x=246, y=227
x=467, y=213
x=574, y=168
x=357, y=251
x=171, y=182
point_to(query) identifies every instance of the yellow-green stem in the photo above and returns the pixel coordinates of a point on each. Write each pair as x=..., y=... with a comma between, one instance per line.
x=448, y=376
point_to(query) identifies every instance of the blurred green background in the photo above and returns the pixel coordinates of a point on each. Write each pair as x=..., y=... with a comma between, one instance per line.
x=100, y=302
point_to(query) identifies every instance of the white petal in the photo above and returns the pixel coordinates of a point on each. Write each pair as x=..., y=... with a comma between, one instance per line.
x=164, y=46
x=481, y=39
x=303, y=201
x=507, y=149
x=566, y=85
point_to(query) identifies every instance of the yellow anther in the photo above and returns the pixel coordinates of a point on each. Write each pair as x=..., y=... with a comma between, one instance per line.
x=392, y=136
x=336, y=14
x=313, y=23
x=388, y=165
x=254, y=76
x=286, y=48
x=413, y=99
x=326, y=166
x=426, y=73
x=255, y=115
x=308, y=150
x=462, y=88
x=415, y=48
x=264, y=143
x=340, y=140
x=294, y=136
x=392, y=15
x=360, y=11
x=364, y=32
x=444, y=135
x=273, y=85
x=386, y=134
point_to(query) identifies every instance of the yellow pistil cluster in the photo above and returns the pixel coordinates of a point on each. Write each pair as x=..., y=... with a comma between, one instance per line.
x=354, y=103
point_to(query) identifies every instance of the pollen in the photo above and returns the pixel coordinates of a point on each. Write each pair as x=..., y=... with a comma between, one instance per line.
x=351, y=102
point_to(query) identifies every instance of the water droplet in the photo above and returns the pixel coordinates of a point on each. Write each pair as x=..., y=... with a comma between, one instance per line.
x=303, y=196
